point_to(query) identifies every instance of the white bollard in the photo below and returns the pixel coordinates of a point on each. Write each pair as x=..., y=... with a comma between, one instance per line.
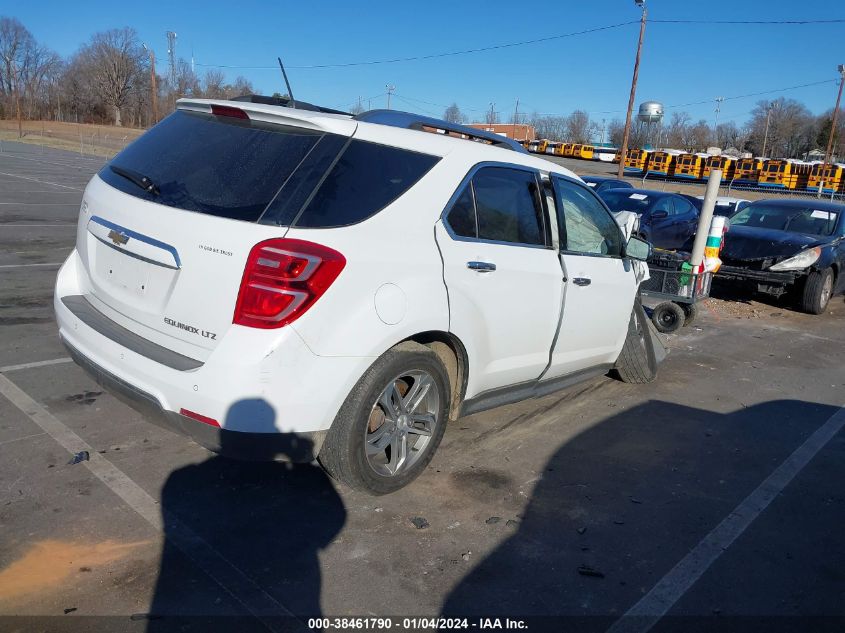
x=706, y=217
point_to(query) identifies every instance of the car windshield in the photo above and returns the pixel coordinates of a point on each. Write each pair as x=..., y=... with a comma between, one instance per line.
x=626, y=201
x=797, y=219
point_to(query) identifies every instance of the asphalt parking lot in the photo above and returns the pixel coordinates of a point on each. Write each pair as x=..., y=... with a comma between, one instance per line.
x=709, y=499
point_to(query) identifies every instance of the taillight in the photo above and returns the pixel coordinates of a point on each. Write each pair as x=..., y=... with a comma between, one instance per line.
x=222, y=110
x=282, y=279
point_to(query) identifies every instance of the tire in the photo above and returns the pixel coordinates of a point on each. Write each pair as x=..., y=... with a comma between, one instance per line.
x=366, y=421
x=668, y=317
x=636, y=363
x=690, y=312
x=817, y=291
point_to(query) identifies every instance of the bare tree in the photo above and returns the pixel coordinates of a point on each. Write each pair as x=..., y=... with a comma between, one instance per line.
x=213, y=84
x=676, y=131
x=15, y=43
x=453, y=114
x=615, y=131
x=116, y=62
x=578, y=127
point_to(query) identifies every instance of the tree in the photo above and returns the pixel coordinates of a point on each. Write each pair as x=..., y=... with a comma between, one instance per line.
x=676, y=131
x=453, y=114
x=615, y=131
x=15, y=43
x=491, y=117
x=213, y=84
x=115, y=61
x=578, y=127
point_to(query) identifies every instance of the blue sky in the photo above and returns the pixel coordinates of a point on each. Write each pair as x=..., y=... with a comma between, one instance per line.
x=682, y=63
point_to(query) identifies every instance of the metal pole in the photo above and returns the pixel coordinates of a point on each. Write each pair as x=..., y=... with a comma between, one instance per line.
x=827, y=154
x=766, y=137
x=621, y=171
x=716, y=120
x=515, y=114
x=153, y=87
x=390, y=89
x=706, y=217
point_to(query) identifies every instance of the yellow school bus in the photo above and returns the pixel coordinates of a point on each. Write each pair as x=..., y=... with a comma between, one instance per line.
x=662, y=163
x=585, y=152
x=782, y=173
x=552, y=147
x=636, y=160
x=830, y=177
x=726, y=163
x=566, y=150
x=747, y=171
x=532, y=146
x=690, y=166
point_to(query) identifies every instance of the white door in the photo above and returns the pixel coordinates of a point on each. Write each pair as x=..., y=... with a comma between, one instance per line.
x=600, y=284
x=502, y=276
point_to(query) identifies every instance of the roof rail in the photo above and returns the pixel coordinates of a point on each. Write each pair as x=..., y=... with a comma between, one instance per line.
x=285, y=102
x=397, y=118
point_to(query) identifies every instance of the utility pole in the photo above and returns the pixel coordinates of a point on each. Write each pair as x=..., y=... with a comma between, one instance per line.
x=17, y=77
x=627, y=133
x=515, y=115
x=390, y=89
x=492, y=114
x=716, y=119
x=828, y=153
x=766, y=136
x=153, y=86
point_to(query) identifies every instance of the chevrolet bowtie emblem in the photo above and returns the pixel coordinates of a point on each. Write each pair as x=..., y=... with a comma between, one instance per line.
x=118, y=238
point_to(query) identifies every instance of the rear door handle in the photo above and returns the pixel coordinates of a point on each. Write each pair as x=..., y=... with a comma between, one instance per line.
x=582, y=281
x=481, y=267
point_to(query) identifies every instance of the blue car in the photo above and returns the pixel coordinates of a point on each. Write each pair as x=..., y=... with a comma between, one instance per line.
x=667, y=220
x=603, y=183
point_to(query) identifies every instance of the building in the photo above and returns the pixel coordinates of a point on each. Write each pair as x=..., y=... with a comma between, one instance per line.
x=516, y=131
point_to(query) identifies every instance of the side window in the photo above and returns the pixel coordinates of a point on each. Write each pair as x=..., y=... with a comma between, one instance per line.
x=664, y=204
x=367, y=178
x=585, y=226
x=508, y=207
x=461, y=217
x=682, y=207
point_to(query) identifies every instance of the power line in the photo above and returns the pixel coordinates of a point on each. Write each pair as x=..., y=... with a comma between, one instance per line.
x=754, y=94
x=761, y=22
x=527, y=42
x=436, y=55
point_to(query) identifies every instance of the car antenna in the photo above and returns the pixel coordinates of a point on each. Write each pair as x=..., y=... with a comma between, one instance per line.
x=292, y=101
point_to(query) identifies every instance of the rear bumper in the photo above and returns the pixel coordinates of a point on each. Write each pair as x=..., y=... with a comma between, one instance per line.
x=294, y=447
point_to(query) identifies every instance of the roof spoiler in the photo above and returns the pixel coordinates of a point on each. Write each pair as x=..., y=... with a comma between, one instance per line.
x=285, y=102
x=397, y=118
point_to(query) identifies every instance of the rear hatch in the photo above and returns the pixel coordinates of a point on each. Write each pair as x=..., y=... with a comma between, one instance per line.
x=167, y=225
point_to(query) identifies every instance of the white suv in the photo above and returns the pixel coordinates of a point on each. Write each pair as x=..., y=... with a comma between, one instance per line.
x=292, y=283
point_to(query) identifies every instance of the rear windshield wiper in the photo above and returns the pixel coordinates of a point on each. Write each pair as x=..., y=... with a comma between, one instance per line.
x=138, y=178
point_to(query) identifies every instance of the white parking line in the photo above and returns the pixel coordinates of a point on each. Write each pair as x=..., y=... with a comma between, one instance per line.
x=38, y=363
x=43, y=182
x=663, y=596
x=249, y=594
x=30, y=265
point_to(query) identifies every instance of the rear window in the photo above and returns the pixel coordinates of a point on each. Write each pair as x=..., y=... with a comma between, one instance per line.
x=220, y=166
x=251, y=171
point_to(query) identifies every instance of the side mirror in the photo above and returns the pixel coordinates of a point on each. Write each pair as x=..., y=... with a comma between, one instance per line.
x=637, y=249
x=659, y=215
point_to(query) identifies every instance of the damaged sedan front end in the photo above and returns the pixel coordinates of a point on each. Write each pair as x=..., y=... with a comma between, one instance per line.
x=780, y=247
